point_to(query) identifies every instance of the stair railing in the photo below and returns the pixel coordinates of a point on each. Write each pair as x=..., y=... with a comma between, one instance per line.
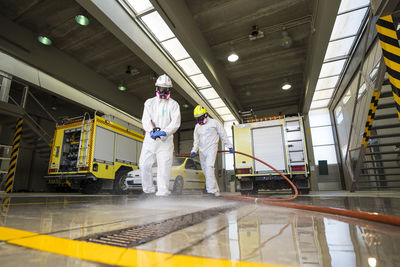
x=356, y=170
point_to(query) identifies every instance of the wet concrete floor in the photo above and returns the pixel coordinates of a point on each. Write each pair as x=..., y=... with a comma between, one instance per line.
x=246, y=235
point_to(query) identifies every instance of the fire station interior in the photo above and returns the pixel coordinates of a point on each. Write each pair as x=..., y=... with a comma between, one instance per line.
x=307, y=91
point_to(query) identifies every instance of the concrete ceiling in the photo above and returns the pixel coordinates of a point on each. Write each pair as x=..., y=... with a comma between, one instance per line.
x=209, y=30
x=93, y=46
x=264, y=64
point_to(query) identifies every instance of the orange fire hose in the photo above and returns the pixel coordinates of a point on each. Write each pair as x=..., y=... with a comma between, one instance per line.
x=371, y=216
x=296, y=193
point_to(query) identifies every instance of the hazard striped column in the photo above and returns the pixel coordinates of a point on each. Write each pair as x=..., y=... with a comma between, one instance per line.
x=14, y=157
x=371, y=117
x=5, y=203
x=391, y=52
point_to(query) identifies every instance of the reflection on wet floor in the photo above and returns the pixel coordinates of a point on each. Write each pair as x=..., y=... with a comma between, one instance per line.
x=385, y=204
x=250, y=232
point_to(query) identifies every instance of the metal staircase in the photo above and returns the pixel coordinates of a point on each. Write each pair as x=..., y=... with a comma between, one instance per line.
x=33, y=135
x=380, y=163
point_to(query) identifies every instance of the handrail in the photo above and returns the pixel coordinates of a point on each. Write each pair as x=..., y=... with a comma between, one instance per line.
x=40, y=105
x=33, y=97
x=31, y=119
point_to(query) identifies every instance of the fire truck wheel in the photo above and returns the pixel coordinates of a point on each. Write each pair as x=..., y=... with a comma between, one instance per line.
x=120, y=186
x=91, y=186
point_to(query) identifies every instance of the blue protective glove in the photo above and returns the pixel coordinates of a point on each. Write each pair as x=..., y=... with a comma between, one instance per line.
x=160, y=133
x=231, y=150
x=193, y=154
x=156, y=134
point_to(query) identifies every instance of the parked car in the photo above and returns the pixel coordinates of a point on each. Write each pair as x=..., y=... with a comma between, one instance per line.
x=186, y=173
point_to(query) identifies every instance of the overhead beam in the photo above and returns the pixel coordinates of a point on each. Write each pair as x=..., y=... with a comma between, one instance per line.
x=187, y=31
x=119, y=22
x=40, y=79
x=19, y=45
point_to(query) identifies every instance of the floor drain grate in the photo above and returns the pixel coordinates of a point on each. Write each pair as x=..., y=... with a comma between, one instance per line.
x=140, y=234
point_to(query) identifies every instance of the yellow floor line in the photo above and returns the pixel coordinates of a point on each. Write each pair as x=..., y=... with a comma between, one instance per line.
x=60, y=202
x=109, y=254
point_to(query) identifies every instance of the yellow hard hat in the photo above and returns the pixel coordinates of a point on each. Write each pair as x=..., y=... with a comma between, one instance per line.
x=199, y=111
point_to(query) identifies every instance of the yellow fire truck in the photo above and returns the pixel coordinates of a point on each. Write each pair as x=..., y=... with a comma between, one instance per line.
x=278, y=141
x=93, y=154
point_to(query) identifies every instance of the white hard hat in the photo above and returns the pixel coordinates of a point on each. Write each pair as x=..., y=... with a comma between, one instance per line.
x=164, y=81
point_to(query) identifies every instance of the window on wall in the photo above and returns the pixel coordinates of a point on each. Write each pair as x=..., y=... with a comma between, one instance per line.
x=322, y=136
x=348, y=24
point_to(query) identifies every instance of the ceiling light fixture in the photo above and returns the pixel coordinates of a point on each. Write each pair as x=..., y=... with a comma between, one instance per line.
x=233, y=57
x=185, y=105
x=44, y=40
x=121, y=87
x=255, y=33
x=82, y=20
x=287, y=41
x=372, y=262
x=286, y=86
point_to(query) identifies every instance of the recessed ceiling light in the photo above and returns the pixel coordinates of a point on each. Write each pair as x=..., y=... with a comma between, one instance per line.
x=44, y=40
x=185, y=105
x=233, y=57
x=372, y=261
x=121, y=87
x=82, y=20
x=286, y=86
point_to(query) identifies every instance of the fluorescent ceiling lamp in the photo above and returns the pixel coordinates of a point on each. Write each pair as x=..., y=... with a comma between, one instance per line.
x=318, y=95
x=200, y=80
x=286, y=86
x=223, y=111
x=209, y=93
x=319, y=104
x=352, y=4
x=233, y=57
x=228, y=117
x=175, y=49
x=82, y=20
x=216, y=103
x=189, y=67
x=339, y=48
x=348, y=24
x=157, y=26
x=140, y=6
x=372, y=262
x=44, y=40
x=121, y=87
x=326, y=83
x=332, y=68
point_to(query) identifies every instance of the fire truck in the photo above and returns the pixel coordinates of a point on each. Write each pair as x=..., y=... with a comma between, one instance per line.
x=93, y=153
x=279, y=141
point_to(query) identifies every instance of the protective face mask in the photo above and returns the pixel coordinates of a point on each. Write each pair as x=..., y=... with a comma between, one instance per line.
x=163, y=93
x=202, y=120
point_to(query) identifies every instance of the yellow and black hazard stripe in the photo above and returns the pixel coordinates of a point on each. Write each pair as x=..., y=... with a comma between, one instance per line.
x=14, y=157
x=391, y=52
x=371, y=117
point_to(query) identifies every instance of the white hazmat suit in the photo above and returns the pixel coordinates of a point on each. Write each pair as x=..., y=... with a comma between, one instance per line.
x=165, y=114
x=206, y=139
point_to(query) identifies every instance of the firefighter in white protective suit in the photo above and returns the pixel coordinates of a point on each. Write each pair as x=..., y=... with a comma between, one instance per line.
x=161, y=119
x=205, y=140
